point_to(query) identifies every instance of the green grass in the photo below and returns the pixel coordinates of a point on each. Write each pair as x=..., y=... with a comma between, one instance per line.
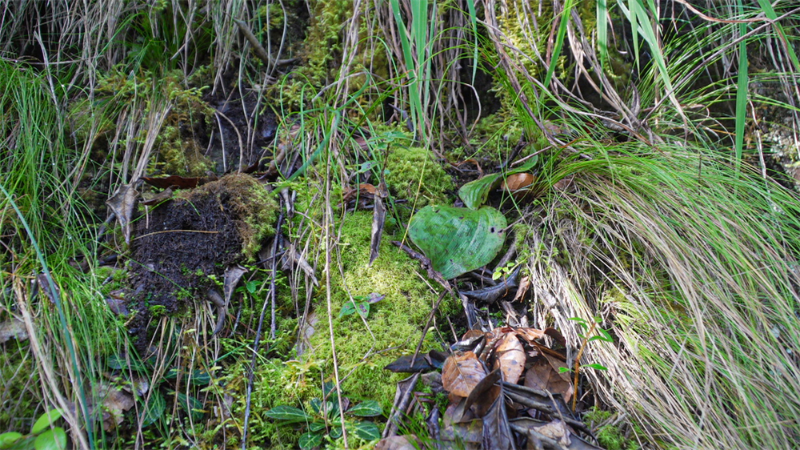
x=669, y=228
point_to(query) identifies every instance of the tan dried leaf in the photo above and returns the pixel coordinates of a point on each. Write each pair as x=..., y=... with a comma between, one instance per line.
x=510, y=358
x=461, y=373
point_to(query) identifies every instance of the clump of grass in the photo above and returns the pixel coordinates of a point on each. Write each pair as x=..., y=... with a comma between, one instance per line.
x=694, y=268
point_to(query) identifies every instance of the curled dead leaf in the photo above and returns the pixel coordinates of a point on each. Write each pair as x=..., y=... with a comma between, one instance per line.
x=461, y=373
x=518, y=181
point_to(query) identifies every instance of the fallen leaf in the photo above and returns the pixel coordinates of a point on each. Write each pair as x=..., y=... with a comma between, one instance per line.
x=496, y=432
x=510, y=358
x=122, y=203
x=524, y=286
x=166, y=194
x=517, y=181
x=177, y=181
x=557, y=431
x=115, y=403
x=12, y=328
x=405, y=442
x=541, y=375
x=461, y=373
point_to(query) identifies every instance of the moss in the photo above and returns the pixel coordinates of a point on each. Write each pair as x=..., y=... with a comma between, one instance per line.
x=393, y=326
x=610, y=436
x=254, y=206
x=413, y=174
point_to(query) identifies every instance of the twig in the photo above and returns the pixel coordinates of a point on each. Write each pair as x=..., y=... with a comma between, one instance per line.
x=258, y=48
x=427, y=324
x=249, y=390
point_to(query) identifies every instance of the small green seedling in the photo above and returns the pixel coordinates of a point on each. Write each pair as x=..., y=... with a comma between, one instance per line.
x=325, y=420
x=43, y=436
x=601, y=336
x=361, y=306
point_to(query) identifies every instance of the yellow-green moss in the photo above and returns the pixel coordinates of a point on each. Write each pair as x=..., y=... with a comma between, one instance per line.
x=396, y=322
x=414, y=174
x=253, y=205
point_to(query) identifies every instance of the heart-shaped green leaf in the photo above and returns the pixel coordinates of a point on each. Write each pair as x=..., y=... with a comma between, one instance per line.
x=474, y=193
x=458, y=240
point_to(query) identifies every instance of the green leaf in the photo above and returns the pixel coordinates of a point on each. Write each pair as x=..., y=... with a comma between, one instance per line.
x=579, y=320
x=350, y=307
x=200, y=378
x=316, y=426
x=118, y=362
x=367, y=431
x=251, y=287
x=310, y=440
x=154, y=409
x=606, y=337
x=6, y=439
x=596, y=366
x=336, y=431
x=564, y=369
x=287, y=414
x=191, y=406
x=45, y=420
x=369, y=408
x=474, y=193
x=458, y=240
x=55, y=439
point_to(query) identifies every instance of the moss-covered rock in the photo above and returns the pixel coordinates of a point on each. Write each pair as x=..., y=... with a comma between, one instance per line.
x=414, y=174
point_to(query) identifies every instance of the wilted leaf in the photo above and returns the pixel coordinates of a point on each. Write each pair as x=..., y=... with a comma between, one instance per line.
x=474, y=193
x=557, y=431
x=405, y=442
x=518, y=181
x=496, y=432
x=115, y=402
x=457, y=240
x=177, y=181
x=378, y=221
x=461, y=373
x=484, y=394
x=12, y=328
x=541, y=375
x=122, y=203
x=510, y=358
x=287, y=414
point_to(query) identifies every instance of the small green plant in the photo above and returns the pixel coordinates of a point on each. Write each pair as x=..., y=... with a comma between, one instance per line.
x=43, y=435
x=324, y=420
x=360, y=304
x=601, y=336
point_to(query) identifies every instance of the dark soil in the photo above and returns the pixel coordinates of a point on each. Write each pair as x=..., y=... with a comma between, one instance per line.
x=175, y=249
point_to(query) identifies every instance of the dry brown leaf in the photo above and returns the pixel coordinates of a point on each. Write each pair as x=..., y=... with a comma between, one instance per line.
x=13, y=328
x=518, y=181
x=541, y=375
x=405, y=442
x=529, y=334
x=510, y=358
x=557, y=431
x=524, y=286
x=115, y=403
x=461, y=373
